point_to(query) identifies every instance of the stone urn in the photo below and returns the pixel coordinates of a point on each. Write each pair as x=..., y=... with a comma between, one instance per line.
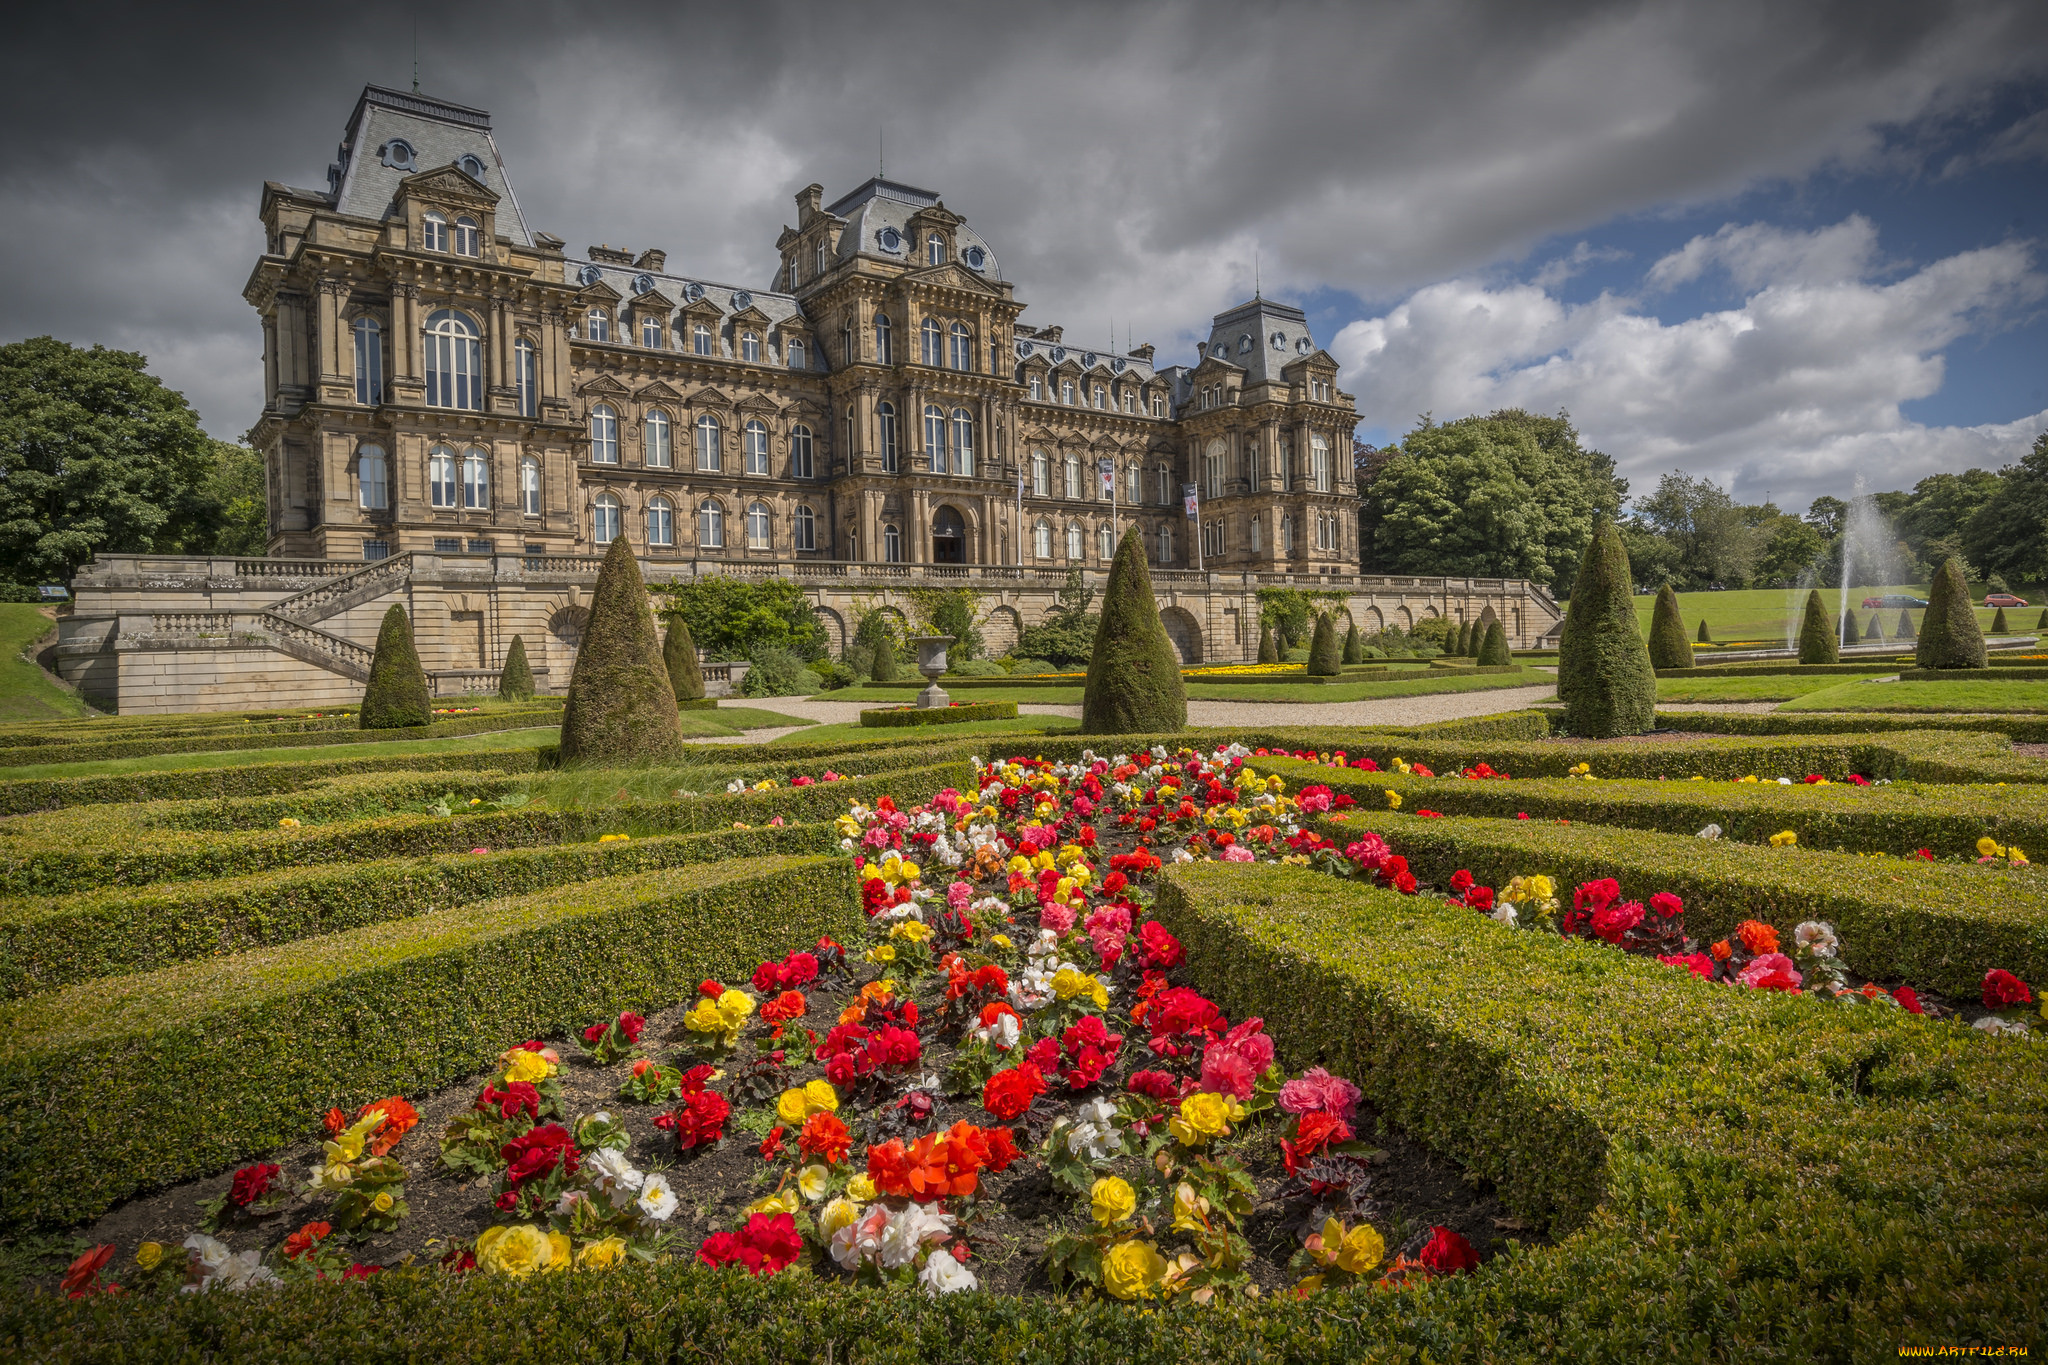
x=931, y=661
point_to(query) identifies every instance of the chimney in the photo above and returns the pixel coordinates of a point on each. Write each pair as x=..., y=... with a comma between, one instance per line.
x=809, y=202
x=651, y=259
x=1143, y=353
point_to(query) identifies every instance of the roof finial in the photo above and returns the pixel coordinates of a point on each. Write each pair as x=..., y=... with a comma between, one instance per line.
x=415, y=52
x=1255, y=274
x=881, y=148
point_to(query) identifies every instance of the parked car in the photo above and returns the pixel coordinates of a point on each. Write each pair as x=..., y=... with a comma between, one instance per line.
x=2003, y=599
x=1895, y=599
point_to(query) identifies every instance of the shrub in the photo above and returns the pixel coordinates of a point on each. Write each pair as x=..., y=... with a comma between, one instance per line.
x=778, y=672
x=397, y=695
x=958, y=714
x=2042, y=624
x=728, y=617
x=1325, y=660
x=515, y=680
x=1849, y=634
x=1949, y=637
x=543, y=711
x=1998, y=625
x=1067, y=633
x=953, y=614
x=1874, y=632
x=1705, y=638
x=679, y=656
x=25, y=795
x=1905, y=630
x=620, y=708
x=1604, y=676
x=1134, y=683
x=1354, y=647
x=1267, y=653
x=1493, y=651
x=1817, y=643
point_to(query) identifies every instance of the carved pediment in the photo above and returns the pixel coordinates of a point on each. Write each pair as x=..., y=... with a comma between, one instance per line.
x=755, y=403
x=703, y=308
x=751, y=316
x=1041, y=434
x=599, y=292
x=803, y=409
x=653, y=301
x=658, y=392
x=1213, y=367
x=953, y=275
x=448, y=183
x=604, y=386
x=709, y=398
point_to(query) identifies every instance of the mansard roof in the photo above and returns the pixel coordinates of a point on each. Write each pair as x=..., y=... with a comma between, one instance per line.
x=1279, y=335
x=881, y=206
x=369, y=169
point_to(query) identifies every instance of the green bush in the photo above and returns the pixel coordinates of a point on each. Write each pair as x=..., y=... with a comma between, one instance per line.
x=1874, y=632
x=2003, y=673
x=1864, y=668
x=679, y=656
x=2020, y=729
x=874, y=646
x=1325, y=659
x=180, y=1072
x=1493, y=651
x=27, y=795
x=1134, y=682
x=959, y=713
x=1067, y=633
x=1704, y=637
x=1849, y=635
x=1817, y=642
x=515, y=679
x=729, y=617
x=1905, y=630
x=1267, y=653
x=1998, y=625
x=1668, y=646
x=396, y=696
x=778, y=672
x=544, y=712
x=1949, y=637
x=1354, y=645
x=620, y=707
x=952, y=613
x=1604, y=676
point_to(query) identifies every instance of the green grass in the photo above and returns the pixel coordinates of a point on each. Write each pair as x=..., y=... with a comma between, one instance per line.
x=898, y=696
x=235, y=758
x=1864, y=695
x=854, y=731
x=26, y=691
x=738, y=718
x=1426, y=682
x=1762, y=613
x=1742, y=689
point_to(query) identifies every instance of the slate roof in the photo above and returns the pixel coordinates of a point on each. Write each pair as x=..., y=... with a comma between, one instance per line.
x=439, y=134
x=1261, y=337
x=881, y=204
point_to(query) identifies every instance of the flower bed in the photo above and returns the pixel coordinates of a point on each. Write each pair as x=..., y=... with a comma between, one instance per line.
x=958, y=713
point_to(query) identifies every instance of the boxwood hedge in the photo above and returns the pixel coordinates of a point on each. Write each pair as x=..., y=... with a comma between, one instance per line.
x=115, y=1085
x=92, y=749
x=910, y=717
x=2020, y=729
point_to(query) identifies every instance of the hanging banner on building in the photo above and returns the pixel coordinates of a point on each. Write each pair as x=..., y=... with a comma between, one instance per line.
x=1190, y=492
x=1105, y=468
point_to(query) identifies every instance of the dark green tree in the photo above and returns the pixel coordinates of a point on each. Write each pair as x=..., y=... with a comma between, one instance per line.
x=1268, y=653
x=1668, y=646
x=515, y=679
x=1850, y=636
x=874, y=646
x=1704, y=638
x=732, y=617
x=96, y=456
x=2008, y=535
x=1817, y=642
x=953, y=614
x=237, y=501
x=1354, y=645
x=1604, y=676
x=1949, y=637
x=1325, y=657
x=1716, y=544
x=1493, y=650
x=1998, y=625
x=1905, y=630
x=1066, y=635
x=1134, y=683
x=2042, y=624
x=1461, y=642
x=620, y=707
x=679, y=657
x=396, y=695
x=1874, y=632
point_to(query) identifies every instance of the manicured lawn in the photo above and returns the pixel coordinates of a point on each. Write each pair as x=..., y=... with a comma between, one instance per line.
x=235, y=758
x=745, y=717
x=1025, y=725
x=1743, y=689
x=1863, y=695
x=1762, y=613
x=1423, y=682
x=899, y=696
x=26, y=691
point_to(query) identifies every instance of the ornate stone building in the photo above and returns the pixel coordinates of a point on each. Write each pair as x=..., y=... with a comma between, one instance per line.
x=439, y=376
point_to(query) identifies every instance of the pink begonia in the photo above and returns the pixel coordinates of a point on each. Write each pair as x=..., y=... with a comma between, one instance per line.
x=1107, y=930
x=1318, y=1092
x=1314, y=798
x=1369, y=852
x=1770, y=972
x=1083, y=807
x=1251, y=1039
x=1226, y=1072
x=1237, y=853
x=959, y=894
x=1057, y=918
x=948, y=801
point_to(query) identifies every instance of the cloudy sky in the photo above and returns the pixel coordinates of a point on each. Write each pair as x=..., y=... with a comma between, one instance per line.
x=1777, y=244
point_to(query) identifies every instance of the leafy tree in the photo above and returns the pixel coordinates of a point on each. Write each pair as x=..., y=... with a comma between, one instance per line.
x=515, y=679
x=1649, y=554
x=730, y=617
x=397, y=694
x=1716, y=545
x=1949, y=637
x=96, y=456
x=237, y=500
x=679, y=657
x=1066, y=634
x=1829, y=517
x=1325, y=657
x=1134, y=683
x=1668, y=646
x=873, y=651
x=953, y=614
x=1817, y=642
x=1291, y=613
x=1604, y=676
x=1932, y=521
x=2008, y=535
x=1789, y=548
x=779, y=672
x=620, y=707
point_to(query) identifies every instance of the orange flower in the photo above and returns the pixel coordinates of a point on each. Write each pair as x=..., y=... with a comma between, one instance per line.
x=1721, y=950
x=84, y=1273
x=335, y=1121
x=400, y=1118
x=301, y=1242
x=826, y=1136
x=1758, y=937
x=783, y=1008
x=889, y=1167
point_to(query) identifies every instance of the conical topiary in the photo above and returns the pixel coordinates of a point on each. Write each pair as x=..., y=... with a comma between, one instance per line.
x=621, y=708
x=1604, y=676
x=1354, y=645
x=515, y=679
x=1704, y=638
x=2042, y=624
x=1325, y=658
x=1268, y=652
x=1454, y=643
x=1493, y=650
x=1134, y=684
x=1817, y=643
x=874, y=632
x=1998, y=625
x=1905, y=630
x=1850, y=636
x=1668, y=646
x=679, y=657
x=1875, y=630
x=396, y=695
x=1949, y=637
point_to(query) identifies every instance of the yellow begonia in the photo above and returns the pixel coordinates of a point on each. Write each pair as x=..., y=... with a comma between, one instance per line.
x=813, y=1181
x=1070, y=982
x=1133, y=1270
x=1202, y=1116
x=1043, y=862
x=861, y=1189
x=1018, y=864
x=383, y=1202
x=1112, y=1200
x=837, y=1214
x=882, y=953
x=790, y=1107
x=1190, y=1210
x=1540, y=888
x=800, y=1102
x=614, y=838
x=150, y=1255
x=1353, y=1252
x=1783, y=838
x=916, y=930
x=606, y=1254
x=1393, y=799
x=2013, y=854
x=782, y=1201
x=287, y=823
x=524, y=1065
x=1987, y=847
x=1002, y=941
x=734, y=1007
x=521, y=1249
x=848, y=827
x=1750, y=778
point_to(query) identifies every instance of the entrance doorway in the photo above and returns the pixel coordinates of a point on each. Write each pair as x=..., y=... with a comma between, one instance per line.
x=949, y=537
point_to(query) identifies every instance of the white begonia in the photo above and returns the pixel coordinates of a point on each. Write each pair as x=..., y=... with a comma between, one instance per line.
x=1998, y=1027
x=1816, y=937
x=944, y=1275
x=1004, y=1033
x=213, y=1253
x=611, y=1169
x=908, y=1232
x=860, y=1240
x=566, y=1206
x=1181, y=855
x=1504, y=912
x=1711, y=832
x=1784, y=781
x=736, y=786
x=243, y=1270
x=657, y=1200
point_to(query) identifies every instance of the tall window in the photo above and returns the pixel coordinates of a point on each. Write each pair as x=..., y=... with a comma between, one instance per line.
x=750, y=348
x=529, y=486
x=441, y=477
x=756, y=440
x=892, y=545
x=935, y=436
x=963, y=442
x=800, y=464
x=604, y=519
x=1212, y=469
x=526, y=376
x=1105, y=547
x=1166, y=545
x=373, y=489
x=1101, y=400
x=1165, y=486
x=883, y=355
x=708, y=438
x=455, y=371
x=757, y=526
x=604, y=435
x=1041, y=485
x=710, y=525
x=661, y=521
x=1159, y=405
x=1041, y=539
x=963, y=347
x=650, y=330
x=1037, y=388
x=804, y=527
x=1067, y=392
x=885, y=422
x=369, y=361
x=657, y=444
x=1286, y=464
x=1319, y=464
x=1073, y=476
x=934, y=342
x=790, y=282
x=597, y=325
x=434, y=232
x=465, y=236
x=818, y=258
x=1258, y=535
x=1073, y=540
x=1286, y=541
x=1130, y=401
x=700, y=338
x=797, y=358
x=476, y=480
x=935, y=250
x=1134, y=485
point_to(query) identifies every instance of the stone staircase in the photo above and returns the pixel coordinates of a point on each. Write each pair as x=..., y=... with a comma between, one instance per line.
x=241, y=629
x=335, y=595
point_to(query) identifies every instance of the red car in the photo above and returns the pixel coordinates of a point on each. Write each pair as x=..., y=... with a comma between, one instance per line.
x=2003, y=599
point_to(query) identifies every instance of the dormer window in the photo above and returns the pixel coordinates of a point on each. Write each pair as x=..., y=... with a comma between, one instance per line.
x=650, y=332
x=750, y=348
x=1244, y=344
x=975, y=258
x=434, y=232
x=465, y=236
x=1067, y=392
x=796, y=354
x=934, y=249
x=700, y=338
x=1279, y=340
x=818, y=259
x=470, y=165
x=397, y=154
x=1037, y=389
x=597, y=325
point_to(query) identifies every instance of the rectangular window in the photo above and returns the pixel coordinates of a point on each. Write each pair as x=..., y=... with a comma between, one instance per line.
x=481, y=547
x=534, y=551
x=369, y=362
x=447, y=545
x=376, y=549
x=1158, y=406
x=525, y=377
x=1037, y=389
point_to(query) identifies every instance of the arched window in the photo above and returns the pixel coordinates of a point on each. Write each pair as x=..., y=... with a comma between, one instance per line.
x=963, y=442
x=1073, y=540
x=1319, y=464
x=1212, y=469
x=700, y=338
x=597, y=325
x=935, y=436
x=757, y=526
x=529, y=486
x=1166, y=545
x=441, y=477
x=604, y=435
x=369, y=361
x=800, y=464
x=373, y=488
x=963, y=347
x=1258, y=535
x=526, y=376
x=433, y=232
x=797, y=358
x=1073, y=476
x=755, y=438
x=885, y=422
x=934, y=342
x=892, y=545
x=934, y=250
x=604, y=519
x=661, y=521
x=650, y=331
x=455, y=371
x=1105, y=545
x=476, y=480
x=656, y=441
x=750, y=348
x=1041, y=539
x=1041, y=484
x=1165, y=486
x=882, y=350
x=465, y=236
x=1067, y=392
x=1286, y=541
x=710, y=525
x=708, y=439
x=805, y=527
